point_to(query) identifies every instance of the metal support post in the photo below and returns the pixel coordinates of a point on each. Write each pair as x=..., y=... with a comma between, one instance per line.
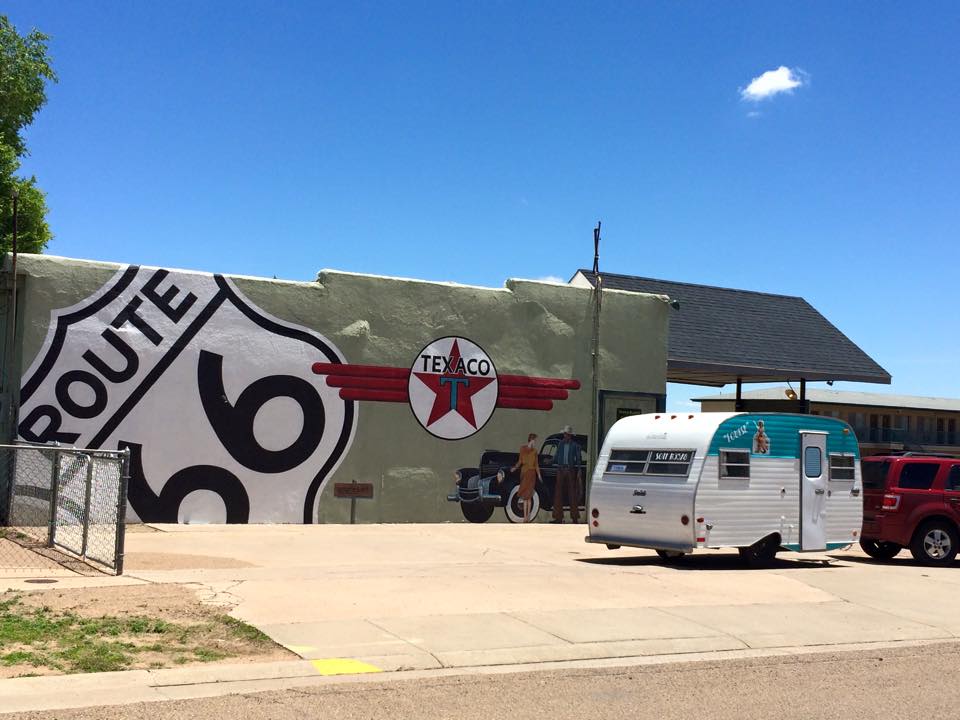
x=54, y=498
x=86, y=507
x=119, y=542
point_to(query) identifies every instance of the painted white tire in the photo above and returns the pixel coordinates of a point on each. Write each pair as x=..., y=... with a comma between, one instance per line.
x=514, y=507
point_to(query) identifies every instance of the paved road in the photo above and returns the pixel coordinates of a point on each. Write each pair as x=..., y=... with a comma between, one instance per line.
x=903, y=683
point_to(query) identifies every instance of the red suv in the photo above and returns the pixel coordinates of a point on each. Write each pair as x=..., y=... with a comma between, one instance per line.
x=911, y=500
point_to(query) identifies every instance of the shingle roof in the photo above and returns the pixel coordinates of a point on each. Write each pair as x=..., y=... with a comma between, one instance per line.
x=720, y=334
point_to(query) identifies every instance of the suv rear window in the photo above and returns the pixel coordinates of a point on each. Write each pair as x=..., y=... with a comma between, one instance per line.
x=918, y=476
x=875, y=474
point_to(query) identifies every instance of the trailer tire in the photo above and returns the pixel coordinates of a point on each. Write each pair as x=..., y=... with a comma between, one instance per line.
x=762, y=553
x=476, y=512
x=935, y=543
x=670, y=555
x=513, y=508
x=610, y=546
x=880, y=549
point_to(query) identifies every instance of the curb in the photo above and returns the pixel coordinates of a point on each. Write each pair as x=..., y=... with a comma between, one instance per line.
x=61, y=692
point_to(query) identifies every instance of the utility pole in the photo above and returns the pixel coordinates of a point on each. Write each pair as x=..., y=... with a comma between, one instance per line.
x=11, y=381
x=593, y=441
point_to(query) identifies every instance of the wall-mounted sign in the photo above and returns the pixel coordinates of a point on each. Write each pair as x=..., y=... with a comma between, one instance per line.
x=212, y=395
x=452, y=387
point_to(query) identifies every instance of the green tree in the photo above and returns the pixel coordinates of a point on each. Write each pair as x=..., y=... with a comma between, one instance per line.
x=24, y=72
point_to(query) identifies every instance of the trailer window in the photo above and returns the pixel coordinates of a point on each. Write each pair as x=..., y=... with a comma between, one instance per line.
x=650, y=462
x=734, y=464
x=841, y=466
x=812, y=461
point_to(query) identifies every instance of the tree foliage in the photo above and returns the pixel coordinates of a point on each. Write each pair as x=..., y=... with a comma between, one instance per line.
x=25, y=70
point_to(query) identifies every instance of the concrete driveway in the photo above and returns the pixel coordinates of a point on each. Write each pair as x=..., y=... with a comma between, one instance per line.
x=391, y=597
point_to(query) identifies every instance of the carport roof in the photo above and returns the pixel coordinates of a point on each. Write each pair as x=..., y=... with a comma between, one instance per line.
x=720, y=335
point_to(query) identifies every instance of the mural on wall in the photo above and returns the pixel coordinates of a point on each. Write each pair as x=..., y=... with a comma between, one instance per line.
x=213, y=397
x=232, y=415
x=453, y=388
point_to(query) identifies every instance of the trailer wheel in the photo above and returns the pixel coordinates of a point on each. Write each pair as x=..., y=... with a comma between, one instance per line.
x=935, y=543
x=762, y=553
x=514, y=506
x=476, y=512
x=670, y=555
x=612, y=547
x=880, y=549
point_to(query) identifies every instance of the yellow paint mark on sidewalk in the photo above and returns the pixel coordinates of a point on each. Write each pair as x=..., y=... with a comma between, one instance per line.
x=343, y=666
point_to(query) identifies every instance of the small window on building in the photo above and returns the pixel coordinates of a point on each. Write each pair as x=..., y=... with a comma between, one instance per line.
x=953, y=479
x=918, y=476
x=841, y=466
x=734, y=464
x=812, y=462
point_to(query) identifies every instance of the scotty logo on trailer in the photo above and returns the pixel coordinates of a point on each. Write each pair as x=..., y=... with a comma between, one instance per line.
x=203, y=387
x=452, y=387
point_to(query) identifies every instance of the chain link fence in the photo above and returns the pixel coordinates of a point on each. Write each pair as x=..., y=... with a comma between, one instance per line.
x=60, y=503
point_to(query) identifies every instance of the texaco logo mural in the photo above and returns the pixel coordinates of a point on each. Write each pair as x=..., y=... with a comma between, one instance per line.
x=214, y=398
x=453, y=388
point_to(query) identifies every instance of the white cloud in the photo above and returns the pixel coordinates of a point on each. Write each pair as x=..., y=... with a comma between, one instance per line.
x=552, y=279
x=774, y=82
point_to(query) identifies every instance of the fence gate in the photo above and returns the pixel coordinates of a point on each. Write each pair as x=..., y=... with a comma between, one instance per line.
x=59, y=498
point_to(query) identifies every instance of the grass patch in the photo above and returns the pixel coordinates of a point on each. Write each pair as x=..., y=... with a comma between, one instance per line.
x=38, y=637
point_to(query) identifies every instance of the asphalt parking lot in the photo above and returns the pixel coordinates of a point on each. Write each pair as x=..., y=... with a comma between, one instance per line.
x=416, y=597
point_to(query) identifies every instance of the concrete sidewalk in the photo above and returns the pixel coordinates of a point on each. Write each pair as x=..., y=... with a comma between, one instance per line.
x=450, y=597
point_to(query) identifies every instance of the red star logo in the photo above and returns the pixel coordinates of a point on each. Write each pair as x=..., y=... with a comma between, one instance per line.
x=454, y=391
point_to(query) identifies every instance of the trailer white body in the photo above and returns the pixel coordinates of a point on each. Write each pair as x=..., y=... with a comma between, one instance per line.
x=677, y=482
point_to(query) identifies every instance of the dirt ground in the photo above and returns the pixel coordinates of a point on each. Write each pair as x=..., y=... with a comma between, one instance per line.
x=182, y=630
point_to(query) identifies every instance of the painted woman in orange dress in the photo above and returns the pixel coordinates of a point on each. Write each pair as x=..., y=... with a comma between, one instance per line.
x=529, y=464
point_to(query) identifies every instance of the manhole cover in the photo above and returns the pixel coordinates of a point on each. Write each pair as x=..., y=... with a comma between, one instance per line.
x=41, y=581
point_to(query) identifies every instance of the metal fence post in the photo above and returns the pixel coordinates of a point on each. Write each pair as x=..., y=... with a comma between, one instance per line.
x=120, y=541
x=86, y=506
x=54, y=498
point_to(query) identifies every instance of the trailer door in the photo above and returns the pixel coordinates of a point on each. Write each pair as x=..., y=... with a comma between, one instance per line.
x=643, y=496
x=813, y=490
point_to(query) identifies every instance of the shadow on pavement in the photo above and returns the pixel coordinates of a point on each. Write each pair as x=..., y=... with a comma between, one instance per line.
x=708, y=562
x=904, y=559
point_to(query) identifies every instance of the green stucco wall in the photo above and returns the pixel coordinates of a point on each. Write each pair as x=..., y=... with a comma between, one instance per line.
x=527, y=328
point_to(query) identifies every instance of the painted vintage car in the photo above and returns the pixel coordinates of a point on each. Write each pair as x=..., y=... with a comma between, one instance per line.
x=481, y=490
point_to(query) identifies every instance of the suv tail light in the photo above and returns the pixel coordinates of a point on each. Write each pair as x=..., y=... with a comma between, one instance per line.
x=891, y=502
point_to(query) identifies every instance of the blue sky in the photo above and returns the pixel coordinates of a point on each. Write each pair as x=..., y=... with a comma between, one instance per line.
x=479, y=141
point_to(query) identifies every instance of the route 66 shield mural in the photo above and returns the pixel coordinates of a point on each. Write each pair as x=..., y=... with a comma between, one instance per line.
x=247, y=432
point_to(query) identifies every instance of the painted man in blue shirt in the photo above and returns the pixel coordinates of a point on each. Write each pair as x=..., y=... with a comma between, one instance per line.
x=567, y=489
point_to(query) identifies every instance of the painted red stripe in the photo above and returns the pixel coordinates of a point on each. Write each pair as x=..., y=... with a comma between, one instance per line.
x=378, y=371
x=367, y=382
x=524, y=403
x=529, y=381
x=379, y=395
x=513, y=391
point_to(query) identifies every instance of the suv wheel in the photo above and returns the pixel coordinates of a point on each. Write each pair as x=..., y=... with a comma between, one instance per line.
x=935, y=543
x=880, y=549
x=514, y=507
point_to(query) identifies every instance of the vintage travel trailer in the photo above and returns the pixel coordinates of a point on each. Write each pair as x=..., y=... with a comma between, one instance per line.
x=757, y=482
